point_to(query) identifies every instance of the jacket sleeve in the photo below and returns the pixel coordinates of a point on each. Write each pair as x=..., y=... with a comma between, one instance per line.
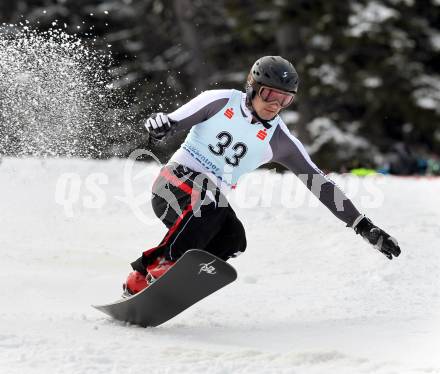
x=199, y=109
x=289, y=152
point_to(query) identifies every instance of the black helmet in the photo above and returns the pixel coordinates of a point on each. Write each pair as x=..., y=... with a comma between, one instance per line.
x=275, y=72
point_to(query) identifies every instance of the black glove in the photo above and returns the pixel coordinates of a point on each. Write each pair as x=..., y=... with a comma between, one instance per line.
x=158, y=124
x=377, y=237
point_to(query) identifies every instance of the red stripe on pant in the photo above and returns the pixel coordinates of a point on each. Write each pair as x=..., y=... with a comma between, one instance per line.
x=188, y=209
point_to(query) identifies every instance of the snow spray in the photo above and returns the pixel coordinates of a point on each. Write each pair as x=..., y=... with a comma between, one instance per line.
x=54, y=94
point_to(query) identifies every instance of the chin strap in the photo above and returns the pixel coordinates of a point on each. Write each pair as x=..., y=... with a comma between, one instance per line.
x=264, y=122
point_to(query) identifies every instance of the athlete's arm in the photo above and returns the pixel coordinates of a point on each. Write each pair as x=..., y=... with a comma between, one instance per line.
x=289, y=152
x=199, y=109
x=204, y=106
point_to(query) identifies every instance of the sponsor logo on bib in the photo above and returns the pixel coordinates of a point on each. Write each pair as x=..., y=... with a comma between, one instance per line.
x=262, y=134
x=229, y=113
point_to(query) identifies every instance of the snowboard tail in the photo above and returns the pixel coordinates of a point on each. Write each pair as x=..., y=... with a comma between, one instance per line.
x=196, y=275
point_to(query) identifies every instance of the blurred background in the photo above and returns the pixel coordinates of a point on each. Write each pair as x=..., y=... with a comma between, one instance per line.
x=369, y=96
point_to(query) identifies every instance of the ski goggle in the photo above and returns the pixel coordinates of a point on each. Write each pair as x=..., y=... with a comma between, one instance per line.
x=270, y=95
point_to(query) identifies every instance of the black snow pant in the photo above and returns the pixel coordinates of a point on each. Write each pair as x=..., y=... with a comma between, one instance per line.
x=197, y=216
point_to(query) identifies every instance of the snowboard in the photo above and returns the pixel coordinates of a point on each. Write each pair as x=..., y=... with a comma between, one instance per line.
x=194, y=276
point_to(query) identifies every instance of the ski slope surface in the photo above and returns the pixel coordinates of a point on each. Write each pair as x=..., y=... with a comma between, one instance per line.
x=311, y=296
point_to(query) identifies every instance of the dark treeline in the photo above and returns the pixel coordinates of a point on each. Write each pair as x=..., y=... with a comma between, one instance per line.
x=369, y=70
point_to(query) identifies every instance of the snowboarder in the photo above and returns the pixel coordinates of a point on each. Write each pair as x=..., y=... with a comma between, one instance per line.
x=232, y=133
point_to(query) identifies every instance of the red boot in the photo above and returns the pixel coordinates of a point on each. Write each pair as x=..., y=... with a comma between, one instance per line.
x=136, y=281
x=159, y=267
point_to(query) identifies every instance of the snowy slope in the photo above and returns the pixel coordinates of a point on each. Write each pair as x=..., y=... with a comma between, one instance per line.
x=311, y=296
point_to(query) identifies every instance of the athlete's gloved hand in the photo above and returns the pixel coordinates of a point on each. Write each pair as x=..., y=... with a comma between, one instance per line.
x=158, y=124
x=377, y=237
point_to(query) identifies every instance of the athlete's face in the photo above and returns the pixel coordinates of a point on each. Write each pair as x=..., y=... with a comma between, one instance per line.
x=265, y=110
